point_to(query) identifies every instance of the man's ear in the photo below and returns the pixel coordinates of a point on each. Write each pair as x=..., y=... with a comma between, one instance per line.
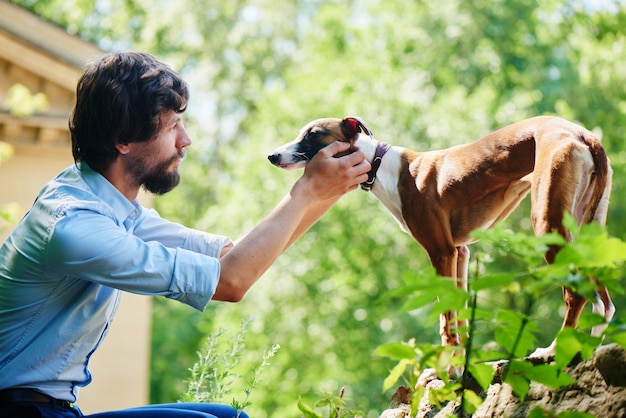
x=121, y=147
x=352, y=126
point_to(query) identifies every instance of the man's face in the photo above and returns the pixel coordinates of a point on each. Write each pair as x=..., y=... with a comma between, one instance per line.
x=154, y=164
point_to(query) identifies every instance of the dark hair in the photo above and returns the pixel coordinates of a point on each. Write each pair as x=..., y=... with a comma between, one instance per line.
x=119, y=99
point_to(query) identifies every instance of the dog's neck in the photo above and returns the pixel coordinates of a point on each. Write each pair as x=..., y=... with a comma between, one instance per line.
x=384, y=173
x=379, y=153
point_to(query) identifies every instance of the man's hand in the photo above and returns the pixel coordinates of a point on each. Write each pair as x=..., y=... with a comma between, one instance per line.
x=326, y=177
x=324, y=181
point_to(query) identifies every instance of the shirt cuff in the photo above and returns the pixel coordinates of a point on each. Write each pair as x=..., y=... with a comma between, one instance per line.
x=195, y=278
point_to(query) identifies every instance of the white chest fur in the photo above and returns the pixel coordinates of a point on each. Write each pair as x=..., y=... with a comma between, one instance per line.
x=385, y=187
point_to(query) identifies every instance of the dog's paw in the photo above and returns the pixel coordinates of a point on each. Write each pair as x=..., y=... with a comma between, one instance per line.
x=543, y=355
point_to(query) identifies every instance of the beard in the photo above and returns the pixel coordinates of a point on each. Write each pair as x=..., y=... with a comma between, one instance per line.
x=158, y=179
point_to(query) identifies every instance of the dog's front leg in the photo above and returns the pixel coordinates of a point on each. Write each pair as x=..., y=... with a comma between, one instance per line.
x=462, y=266
x=452, y=330
x=453, y=264
x=447, y=263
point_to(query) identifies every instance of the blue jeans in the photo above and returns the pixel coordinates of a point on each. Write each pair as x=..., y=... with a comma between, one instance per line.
x=173, y=410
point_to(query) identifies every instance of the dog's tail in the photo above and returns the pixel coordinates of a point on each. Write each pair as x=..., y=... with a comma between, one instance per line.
x=602, y=179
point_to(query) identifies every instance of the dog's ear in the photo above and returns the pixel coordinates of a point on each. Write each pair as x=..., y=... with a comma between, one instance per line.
x=351, y=127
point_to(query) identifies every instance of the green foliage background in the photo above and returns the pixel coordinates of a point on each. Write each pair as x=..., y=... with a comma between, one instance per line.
x=421, y=74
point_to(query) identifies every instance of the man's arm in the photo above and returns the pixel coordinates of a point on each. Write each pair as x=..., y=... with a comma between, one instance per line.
x=324, y=181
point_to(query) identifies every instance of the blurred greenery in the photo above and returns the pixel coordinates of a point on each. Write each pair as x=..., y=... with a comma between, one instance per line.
x=421, y=74
x=22, y=102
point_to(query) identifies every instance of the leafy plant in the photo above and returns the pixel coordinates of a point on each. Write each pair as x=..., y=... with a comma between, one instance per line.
x=335, y=406
x=255, y=378
x=214, y=374
x=592, y=254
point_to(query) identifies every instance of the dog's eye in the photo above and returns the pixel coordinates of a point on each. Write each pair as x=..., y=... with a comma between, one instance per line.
x=310, y=136
x=313, y=134
x=312, y=142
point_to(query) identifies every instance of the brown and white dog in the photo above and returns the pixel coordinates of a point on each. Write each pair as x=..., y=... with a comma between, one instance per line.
x=439, y=197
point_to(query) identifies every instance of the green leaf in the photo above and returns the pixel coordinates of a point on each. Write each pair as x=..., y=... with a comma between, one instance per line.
x=326, y=401
x=514, y=332
x=472, y=401
x=574, y=414
x=570, y=342
x=420, y=299
x=447, y=392
x=516, y=377
x=307, y=410
x=395, y=374
x=488, y=281
x=401, y=292
x=592, y=247
x=567, y=346
x=454, y=299
x=483, y=373
x=549, y=375
x=537, y=412
x=519, y=384
x=619, y=338
x=395, y=351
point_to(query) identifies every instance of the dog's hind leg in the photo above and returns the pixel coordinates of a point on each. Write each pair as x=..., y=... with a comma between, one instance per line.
x=560, y=168
x=557, y=181
x=565, y=180
x=603, y=306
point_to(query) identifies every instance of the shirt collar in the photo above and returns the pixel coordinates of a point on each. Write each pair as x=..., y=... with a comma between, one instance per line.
x=100, y=186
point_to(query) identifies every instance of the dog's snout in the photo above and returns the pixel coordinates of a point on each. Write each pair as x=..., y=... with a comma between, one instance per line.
x=288, y=157
x=274, y=158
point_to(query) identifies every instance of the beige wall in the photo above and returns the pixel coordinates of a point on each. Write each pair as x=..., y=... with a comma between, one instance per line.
x=120, y=368
x=23, y=175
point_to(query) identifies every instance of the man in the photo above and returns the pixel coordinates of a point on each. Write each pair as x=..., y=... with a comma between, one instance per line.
x=87, y=238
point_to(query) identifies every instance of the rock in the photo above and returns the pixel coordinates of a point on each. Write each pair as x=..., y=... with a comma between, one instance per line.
x=599, y=390
x=396, y=413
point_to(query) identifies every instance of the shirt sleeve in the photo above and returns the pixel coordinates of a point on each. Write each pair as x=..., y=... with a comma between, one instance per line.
x=155, y=261
x=152, y=227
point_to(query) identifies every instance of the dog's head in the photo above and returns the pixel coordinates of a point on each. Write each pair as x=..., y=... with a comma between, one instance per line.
x=315, y=136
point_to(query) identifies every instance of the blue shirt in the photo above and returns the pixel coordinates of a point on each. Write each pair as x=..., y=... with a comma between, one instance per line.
x=64, y=266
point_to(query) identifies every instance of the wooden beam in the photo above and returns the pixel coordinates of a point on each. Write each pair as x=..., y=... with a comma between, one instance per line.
x=45, y=66
x=35, y=121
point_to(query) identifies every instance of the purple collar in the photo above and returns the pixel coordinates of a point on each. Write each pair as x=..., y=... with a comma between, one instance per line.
x=381, y=150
